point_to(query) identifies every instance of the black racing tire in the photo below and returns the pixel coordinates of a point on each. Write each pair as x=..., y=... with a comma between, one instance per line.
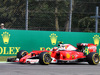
x=44, y=58
x=93, y=58
x=21, y=54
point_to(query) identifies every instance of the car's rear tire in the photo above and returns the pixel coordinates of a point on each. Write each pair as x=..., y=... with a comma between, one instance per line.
x=21, y=54
x=93, y=58
x=44, y=58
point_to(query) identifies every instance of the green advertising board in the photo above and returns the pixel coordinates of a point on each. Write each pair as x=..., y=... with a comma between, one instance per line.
x=11, y=41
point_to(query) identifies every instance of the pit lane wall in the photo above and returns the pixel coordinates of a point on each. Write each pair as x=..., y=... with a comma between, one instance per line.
x=11, y=41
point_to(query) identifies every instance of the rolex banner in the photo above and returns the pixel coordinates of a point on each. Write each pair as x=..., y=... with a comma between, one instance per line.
x=11, y=41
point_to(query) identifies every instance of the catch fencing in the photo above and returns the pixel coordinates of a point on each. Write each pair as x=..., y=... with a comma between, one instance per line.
x=50, y=15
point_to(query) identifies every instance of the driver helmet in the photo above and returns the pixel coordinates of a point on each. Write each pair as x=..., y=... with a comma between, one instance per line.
x=62, y=47
x=55, y=48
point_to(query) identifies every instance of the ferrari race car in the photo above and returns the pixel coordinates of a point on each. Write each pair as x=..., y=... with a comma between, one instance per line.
x=62, y=53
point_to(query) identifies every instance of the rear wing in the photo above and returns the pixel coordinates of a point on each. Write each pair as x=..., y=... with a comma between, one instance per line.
x=91, y=47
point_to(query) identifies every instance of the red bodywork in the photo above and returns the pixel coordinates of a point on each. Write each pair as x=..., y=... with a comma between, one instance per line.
x=65, y=52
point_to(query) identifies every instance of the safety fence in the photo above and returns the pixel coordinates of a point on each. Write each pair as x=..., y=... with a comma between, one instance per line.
x=49, y=15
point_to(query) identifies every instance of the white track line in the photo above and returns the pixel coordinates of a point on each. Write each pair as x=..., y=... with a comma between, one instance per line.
x=6, y=62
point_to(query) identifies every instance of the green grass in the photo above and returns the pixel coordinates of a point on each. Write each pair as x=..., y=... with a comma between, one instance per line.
x=4, y=58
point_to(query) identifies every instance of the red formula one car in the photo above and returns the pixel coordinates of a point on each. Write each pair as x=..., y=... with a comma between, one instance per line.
x=62, y=53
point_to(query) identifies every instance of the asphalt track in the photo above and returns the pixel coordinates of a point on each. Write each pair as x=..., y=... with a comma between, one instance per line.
x=52, y=69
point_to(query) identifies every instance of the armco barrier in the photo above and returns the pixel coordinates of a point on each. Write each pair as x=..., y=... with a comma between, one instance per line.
x=11, y=41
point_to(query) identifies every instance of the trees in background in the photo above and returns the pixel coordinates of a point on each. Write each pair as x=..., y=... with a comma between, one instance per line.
x=81, y=15
x=49, y=15
x=12, y=13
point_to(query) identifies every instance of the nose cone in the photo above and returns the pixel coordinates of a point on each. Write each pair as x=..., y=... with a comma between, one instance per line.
x=22, y=60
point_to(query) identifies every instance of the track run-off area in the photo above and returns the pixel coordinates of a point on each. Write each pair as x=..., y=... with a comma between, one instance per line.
x=52, y=69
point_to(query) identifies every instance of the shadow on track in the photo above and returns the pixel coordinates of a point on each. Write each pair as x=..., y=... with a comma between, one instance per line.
x=76, y=63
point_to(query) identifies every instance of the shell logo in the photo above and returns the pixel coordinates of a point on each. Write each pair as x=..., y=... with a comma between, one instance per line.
x=68, y=55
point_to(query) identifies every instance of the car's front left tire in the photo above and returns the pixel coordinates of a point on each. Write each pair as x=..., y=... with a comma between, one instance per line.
x=44, y=58
x=21, y=54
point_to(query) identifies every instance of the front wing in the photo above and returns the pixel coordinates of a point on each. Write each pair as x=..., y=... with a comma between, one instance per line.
x=34, y=61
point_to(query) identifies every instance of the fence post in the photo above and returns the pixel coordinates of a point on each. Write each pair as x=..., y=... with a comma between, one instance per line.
x=26, y=17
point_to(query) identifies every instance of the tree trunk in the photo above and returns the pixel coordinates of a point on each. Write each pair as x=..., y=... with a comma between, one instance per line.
x=56, y=15
x=66, y=25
